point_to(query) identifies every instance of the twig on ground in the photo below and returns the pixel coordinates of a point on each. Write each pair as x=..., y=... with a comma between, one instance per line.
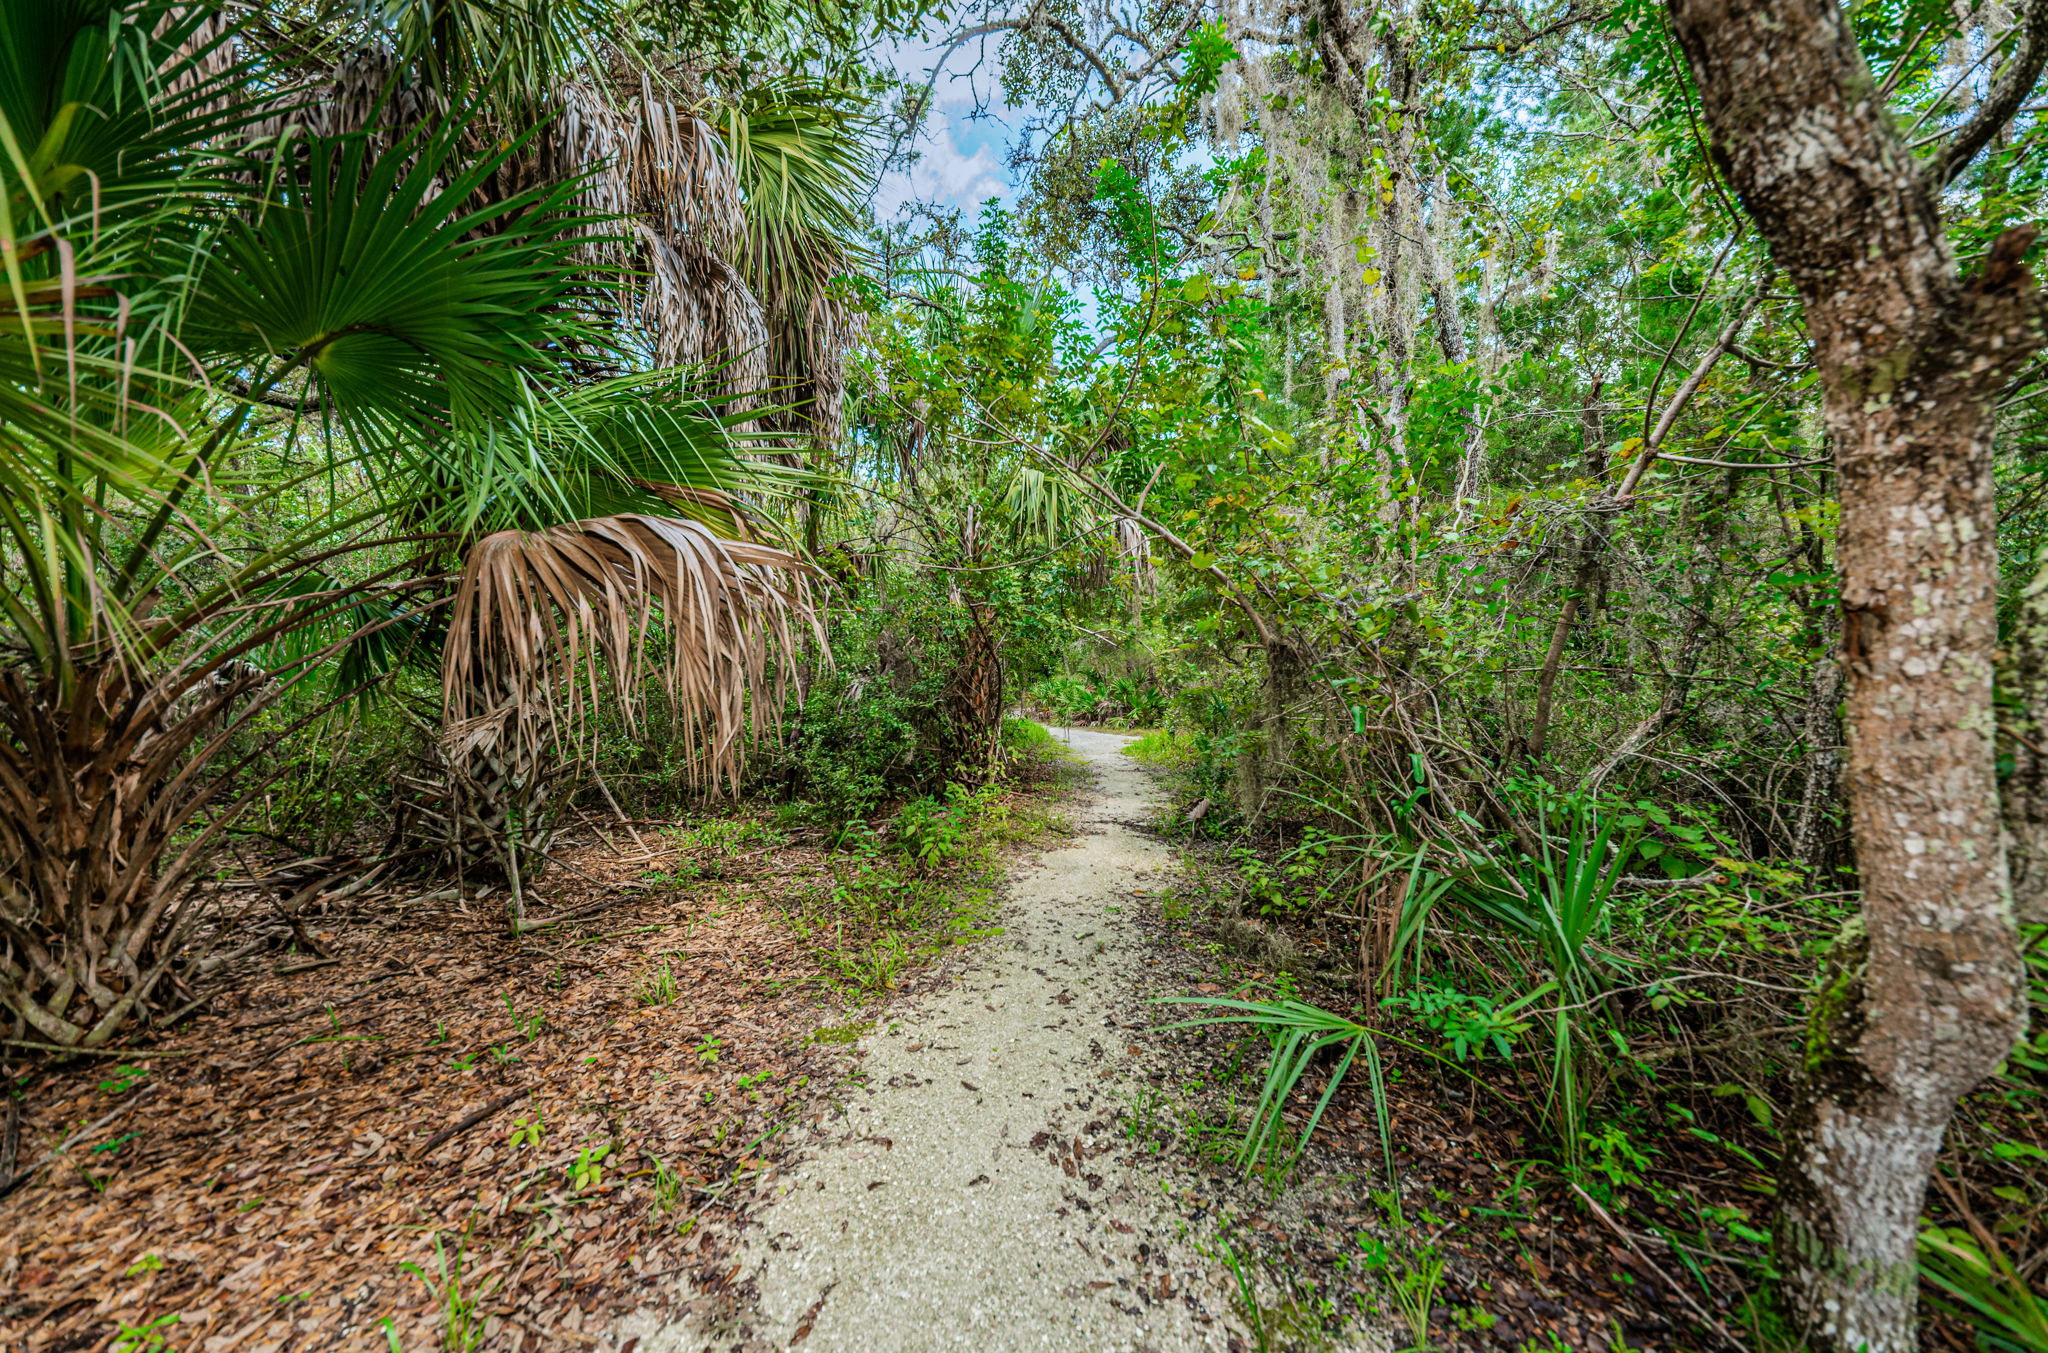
x=468, y=1121
x=96, y=1052
x=10, y=1142
x=1678, y=1289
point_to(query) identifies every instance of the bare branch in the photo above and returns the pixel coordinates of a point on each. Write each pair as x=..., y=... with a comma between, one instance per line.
x=2016, y=80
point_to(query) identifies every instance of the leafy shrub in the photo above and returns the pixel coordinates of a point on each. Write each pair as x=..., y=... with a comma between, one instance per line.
x=1021, y=736
x=1064, y=697
x=1143, y=702
x=1168, y=749
x=875, y=725
x=1468, y=1024
x=933, y=832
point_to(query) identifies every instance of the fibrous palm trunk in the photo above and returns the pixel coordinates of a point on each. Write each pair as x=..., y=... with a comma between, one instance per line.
x=974, y=696
x=100, y=783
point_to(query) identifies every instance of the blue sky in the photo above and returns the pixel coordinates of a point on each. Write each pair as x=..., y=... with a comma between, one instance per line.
x=961, y=157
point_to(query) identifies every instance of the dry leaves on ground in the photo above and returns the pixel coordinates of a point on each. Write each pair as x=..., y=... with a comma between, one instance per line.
x=446, y=1125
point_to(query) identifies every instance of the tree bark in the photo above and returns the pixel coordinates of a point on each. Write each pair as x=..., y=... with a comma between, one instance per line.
x=1924, y=999
x=2024, y=679
x=1823, y=763
x=1592, y=545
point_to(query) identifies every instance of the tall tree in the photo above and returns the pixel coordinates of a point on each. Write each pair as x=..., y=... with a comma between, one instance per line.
x=1927, y=999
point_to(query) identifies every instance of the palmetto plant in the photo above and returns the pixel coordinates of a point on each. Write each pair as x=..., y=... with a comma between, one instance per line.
x=1298, y=1032
x=1556, y=899
x=137, y=579
x=199, y=324
x=537, y=610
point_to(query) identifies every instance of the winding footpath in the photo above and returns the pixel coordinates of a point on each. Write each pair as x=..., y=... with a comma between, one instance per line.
x=978, y=1193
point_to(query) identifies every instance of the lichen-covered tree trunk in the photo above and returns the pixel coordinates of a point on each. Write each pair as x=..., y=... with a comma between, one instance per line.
x=1823, y=770
x=1925, y=1000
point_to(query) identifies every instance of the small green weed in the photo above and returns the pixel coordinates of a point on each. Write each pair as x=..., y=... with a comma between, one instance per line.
x=668, y=1189
x=529, y=1130
x=124, y=1079
x=1468, y=1024
x=462, y=1327
x=659, y=987
x=586, y=1172
x=146, y=1338
x=528, y=1026
x=1410, y=1270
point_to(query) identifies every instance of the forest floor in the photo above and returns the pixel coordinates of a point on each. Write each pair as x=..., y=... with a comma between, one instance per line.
x=391, y=1127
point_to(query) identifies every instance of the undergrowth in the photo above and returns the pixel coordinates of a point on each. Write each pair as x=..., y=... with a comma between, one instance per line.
x=905, y=889
x=1619, y=984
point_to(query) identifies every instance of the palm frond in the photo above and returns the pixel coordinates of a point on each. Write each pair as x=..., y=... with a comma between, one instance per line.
x=1046, y=506
x=1298, y=1032
x=804, y=152
x=409, y=312
x=537, y=613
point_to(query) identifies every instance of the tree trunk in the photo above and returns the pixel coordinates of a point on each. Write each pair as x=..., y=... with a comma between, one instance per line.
x=1924, y=999
x=2024, y=678
x=974, y=698
x=1823, y=764
x=1592, y=546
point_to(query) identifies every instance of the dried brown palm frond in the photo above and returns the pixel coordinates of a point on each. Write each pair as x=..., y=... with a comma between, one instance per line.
x=803, y=151
x=365, y=91
x=810, y=327
x=644, y=157
x=537, y=614
x=205, y=50
x=1134, y=545
x=701, y=312
x=682, y=174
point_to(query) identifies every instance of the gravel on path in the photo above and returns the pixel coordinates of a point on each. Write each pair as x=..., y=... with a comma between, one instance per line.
x=977, y=1193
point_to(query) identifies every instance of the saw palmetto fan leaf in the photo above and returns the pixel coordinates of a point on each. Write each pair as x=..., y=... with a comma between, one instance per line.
x=408, y=312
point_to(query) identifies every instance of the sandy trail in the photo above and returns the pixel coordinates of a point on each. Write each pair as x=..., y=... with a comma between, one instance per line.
x=977, y=1195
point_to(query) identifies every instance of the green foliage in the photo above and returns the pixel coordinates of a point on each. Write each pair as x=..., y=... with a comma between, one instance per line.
x=1166, y=748
x=933, y=832
x=462, y=1322
x=1021, y=737
x=876, y=725
x=658, y=988
x=1468, y=1024
x=149, y=1337
x=1978, y=1284
x=1558, y=896
x=586, y=1172
x=1298, y=1032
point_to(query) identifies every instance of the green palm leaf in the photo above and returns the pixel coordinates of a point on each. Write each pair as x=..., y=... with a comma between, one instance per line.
x=410, y=313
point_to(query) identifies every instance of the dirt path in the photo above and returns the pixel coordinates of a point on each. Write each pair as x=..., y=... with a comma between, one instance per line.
x=976, y=1194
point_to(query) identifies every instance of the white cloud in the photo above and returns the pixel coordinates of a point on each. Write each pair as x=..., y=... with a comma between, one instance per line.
x=947, y=173
x=961, y=157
